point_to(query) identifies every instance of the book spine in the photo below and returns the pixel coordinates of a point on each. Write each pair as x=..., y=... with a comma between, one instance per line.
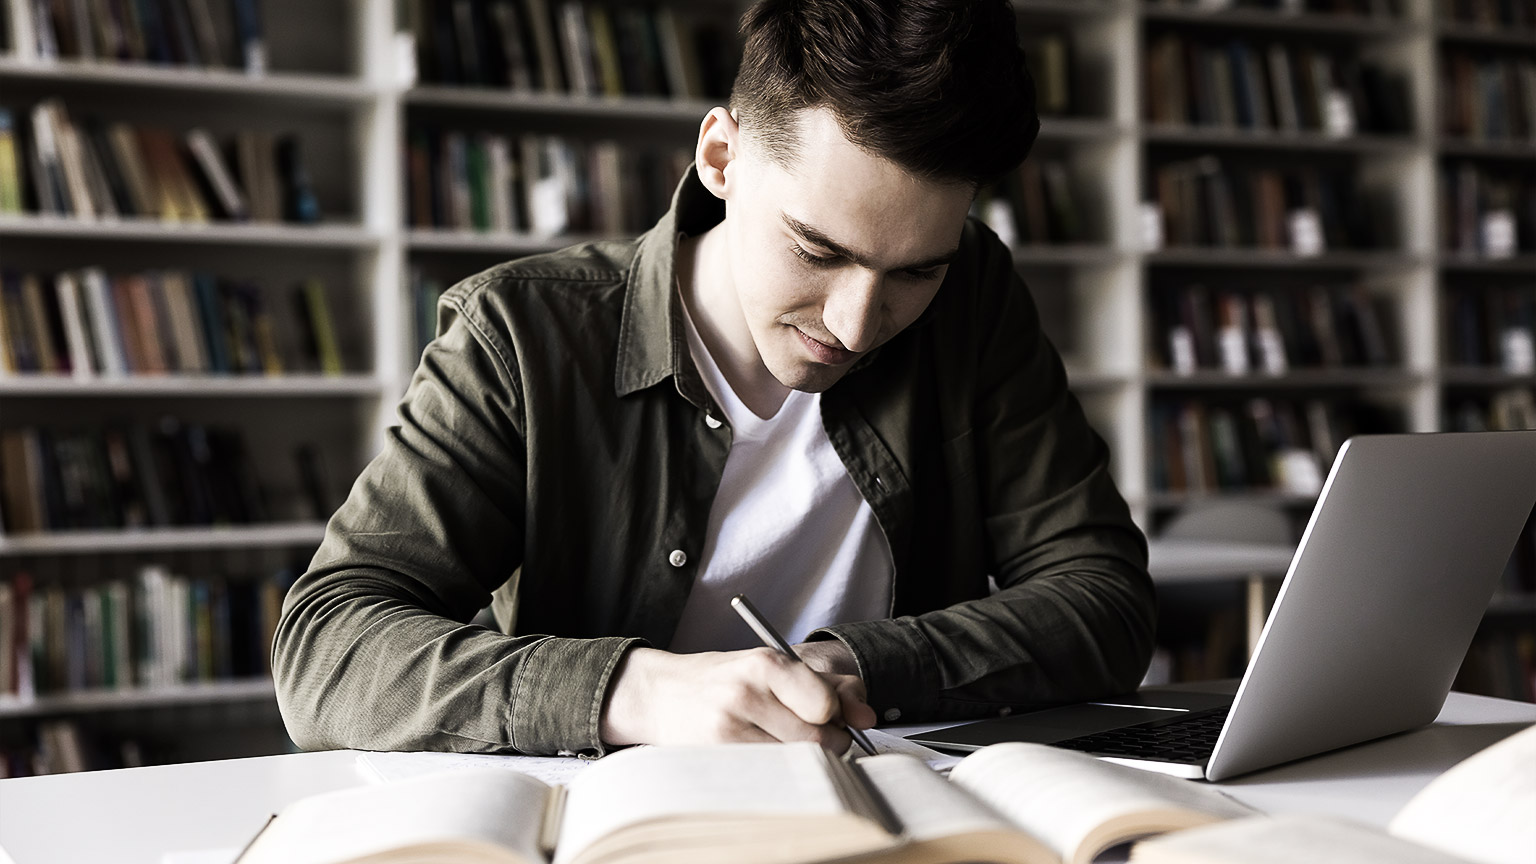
x=206, y=152
x=10, y=165
x=325, y=333
x=250, y=37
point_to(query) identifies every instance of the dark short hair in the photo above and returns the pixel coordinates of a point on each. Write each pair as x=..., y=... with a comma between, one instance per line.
x=937, y=86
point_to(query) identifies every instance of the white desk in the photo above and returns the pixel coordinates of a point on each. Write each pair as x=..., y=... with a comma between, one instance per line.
x=135, y=815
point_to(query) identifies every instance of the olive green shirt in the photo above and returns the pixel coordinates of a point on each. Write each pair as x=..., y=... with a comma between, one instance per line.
x=557, y=455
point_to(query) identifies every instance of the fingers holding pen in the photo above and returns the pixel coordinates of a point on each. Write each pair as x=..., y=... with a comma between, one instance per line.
x=754, y=695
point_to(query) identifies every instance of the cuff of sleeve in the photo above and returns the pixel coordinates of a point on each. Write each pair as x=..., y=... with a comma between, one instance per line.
x=896, y=663
x=558, y=693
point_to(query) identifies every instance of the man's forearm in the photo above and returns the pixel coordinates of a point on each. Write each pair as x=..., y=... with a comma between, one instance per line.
x=1058, y=637
x=356, y=668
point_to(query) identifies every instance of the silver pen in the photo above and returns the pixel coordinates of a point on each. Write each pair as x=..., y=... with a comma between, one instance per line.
x=773, y=640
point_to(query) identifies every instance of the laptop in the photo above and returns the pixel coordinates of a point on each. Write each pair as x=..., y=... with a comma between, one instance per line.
x=1404, y=549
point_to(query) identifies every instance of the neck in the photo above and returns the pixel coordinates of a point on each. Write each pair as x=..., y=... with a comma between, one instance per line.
x=704, y=278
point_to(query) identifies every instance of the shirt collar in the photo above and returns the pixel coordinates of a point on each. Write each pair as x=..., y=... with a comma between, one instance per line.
x=652, y=340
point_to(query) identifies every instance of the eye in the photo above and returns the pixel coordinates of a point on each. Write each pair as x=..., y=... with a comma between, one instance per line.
x=815, y=260
x=926, y=274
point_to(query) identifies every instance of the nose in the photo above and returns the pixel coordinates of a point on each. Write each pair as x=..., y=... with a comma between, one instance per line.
x=852, y=311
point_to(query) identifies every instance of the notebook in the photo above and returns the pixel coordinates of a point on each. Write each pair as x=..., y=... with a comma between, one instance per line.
x=1402, y=553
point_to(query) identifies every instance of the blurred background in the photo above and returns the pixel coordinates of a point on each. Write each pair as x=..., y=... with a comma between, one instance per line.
x=1253, y=228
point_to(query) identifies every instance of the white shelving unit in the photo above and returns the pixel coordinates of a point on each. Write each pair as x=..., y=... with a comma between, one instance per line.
x=337, y=79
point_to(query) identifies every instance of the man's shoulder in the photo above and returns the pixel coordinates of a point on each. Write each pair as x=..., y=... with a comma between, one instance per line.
x=585, y=266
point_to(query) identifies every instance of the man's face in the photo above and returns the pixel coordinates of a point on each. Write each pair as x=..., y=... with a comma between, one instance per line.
x=836, y=254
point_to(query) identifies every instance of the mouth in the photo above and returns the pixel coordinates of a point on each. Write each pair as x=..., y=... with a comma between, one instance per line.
x=824, y=353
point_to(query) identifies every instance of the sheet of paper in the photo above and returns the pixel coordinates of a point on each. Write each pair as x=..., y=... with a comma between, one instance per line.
x=885, y=742
x=1483, y=808
x=389, y=767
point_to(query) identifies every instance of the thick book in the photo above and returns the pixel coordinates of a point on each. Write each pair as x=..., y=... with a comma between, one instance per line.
x=750, y=804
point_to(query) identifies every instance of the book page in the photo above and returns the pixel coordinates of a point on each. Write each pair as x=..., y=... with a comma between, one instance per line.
x=635, y=786
x=1285, y=840
x=1483, y=808
x=927, y=805
x=1065, y=799
x=499, y=808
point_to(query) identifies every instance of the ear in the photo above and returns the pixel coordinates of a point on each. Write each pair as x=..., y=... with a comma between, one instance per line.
x=719, y=145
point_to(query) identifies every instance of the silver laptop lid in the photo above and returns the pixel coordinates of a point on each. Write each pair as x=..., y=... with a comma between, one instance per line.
x=1394, y=572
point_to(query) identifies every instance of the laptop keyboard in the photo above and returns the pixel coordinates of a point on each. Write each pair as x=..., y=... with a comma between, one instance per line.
x=1186, y=738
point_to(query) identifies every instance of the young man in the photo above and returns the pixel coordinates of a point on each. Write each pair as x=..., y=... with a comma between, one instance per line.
x=814, y=381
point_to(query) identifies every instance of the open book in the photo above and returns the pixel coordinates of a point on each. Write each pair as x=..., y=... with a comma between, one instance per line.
x=1482, y=810
x=752, y=804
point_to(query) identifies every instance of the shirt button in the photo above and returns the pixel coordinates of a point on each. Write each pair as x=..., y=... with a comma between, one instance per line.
x=678, y=558
x=892, y=715
x=711, y=422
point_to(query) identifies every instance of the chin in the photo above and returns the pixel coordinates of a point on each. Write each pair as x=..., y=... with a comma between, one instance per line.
x=808, y=378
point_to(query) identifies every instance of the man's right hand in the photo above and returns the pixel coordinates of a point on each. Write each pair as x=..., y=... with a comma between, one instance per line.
x=658, y=697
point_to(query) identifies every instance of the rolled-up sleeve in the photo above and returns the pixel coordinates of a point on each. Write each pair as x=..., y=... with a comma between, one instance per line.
x=373, y=649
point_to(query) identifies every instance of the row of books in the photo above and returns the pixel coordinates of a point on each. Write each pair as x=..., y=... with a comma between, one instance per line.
x=574, y=47
x=98, y=170
x=1512, y=408
x=1486, y=210
x=64, y=746
x=1493, y=327
x=1512, y=14
x=543, y=184
x=132, y=475
x=1037, y=203
x=197, y=33
x=1485, y=98
x=151, y=630
x=1306, y=210
x=87, y=324
x=1290, y=88
x=1242, y=331
x=1208, y=445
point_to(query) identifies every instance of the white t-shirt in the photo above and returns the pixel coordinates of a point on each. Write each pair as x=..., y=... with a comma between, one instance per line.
x=788, y=528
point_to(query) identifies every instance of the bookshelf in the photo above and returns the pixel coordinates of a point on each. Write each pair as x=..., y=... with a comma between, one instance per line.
x=348, y=79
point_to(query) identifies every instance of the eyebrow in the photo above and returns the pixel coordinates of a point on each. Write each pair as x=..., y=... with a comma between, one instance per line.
x=812, y=235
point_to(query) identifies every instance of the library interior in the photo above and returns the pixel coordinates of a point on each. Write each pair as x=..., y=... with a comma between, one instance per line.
x=1252, y=228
